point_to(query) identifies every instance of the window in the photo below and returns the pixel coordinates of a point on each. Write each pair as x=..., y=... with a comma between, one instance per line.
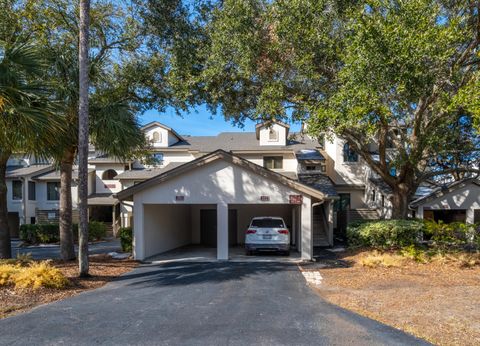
x=343, y=203
x=348, y=154
x=273, y=135
x=32, y=194
x=270, y=223
x=157, y=137
x=373, y=196
x=16, y=190
x=310, y=168
x=273, y=162
x=158, y=158
x=33, y=220
x=383, y=201
x=53, y=191
x=109, y=174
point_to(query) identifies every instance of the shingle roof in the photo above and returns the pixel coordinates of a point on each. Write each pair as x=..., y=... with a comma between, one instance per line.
x=309, y=155
x=18, y=172
x=142, y=174
x=55, y=175
x=104, y=158
x=242, y=141
x=382, y=185
x=102, y=199
x=318, y=181
x=441, y=191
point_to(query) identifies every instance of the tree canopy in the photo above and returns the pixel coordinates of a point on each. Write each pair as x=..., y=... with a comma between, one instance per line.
x=400, y=74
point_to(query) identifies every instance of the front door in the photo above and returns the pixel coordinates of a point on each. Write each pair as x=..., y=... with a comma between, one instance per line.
x=208, y=227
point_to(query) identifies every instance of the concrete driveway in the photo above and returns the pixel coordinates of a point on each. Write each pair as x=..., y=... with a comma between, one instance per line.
x=216, y=303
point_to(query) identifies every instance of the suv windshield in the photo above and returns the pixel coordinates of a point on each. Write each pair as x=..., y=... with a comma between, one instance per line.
x=269, y=223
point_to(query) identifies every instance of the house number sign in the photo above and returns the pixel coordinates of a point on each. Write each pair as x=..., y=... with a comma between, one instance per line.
x=265, y=198
x=296, y=199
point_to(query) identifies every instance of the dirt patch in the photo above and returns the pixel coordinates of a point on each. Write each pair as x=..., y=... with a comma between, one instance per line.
x=102, y=269
x=439, y=302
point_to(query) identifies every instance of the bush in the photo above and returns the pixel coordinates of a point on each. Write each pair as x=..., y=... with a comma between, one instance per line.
x=452, y=234
x=96, y=230
x=40, y=233
x=126, y=239
x=385, y=233
x=35, y=275
x=50, y=233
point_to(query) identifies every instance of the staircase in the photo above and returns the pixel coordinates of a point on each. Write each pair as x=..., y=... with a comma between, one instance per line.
x=319, y=230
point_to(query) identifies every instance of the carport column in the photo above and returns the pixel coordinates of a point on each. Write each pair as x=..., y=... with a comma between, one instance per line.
x=306, y=229
x=222, y=231
x=138, y=237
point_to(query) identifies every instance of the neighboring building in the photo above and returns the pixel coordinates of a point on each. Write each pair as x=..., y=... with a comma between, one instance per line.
x=458, y=201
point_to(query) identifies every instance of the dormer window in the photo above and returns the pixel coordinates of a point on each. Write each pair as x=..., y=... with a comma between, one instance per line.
x=349, y=155
x=157, y=137
x=273, y=135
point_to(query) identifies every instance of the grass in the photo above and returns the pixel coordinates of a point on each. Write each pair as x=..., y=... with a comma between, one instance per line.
x=433, y=294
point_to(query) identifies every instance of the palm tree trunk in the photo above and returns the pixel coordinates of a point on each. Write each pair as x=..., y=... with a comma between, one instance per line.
x=67, y=251
x=83, y=138
x=5, y=245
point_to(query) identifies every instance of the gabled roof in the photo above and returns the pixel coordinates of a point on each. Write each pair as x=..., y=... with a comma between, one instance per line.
x=441, y=191
x=215, y=156
x=319, y=181
x=54, y=175
x=259, y=126
x=147, y=173
x=157, y=124
x=19, y=172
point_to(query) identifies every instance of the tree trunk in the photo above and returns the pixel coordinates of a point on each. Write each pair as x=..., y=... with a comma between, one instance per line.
x=83, y=138
x=400, y=200
x=67, y=251
x=5, y=245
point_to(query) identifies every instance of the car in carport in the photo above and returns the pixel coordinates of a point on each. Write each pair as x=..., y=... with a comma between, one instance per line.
x=267, y=233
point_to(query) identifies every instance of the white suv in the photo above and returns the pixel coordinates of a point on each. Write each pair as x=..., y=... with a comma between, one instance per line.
x=267, y=233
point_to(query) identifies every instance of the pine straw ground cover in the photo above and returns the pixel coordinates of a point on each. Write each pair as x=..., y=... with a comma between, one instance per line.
x=437, y=300
x=102, y=269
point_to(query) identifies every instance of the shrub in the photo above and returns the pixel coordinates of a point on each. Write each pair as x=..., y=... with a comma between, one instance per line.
x=385, y=233
x=50, y=233
x=455, y=233
x=40, y=233
x=126, y=239
x=35, y=275
x=40, y=274
x=96, y=230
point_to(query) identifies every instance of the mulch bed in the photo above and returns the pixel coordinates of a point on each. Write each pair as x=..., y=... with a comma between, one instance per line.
x=102, y=270
x=439, y=302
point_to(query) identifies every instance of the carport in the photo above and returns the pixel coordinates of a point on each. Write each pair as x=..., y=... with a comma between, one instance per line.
x=211, y=200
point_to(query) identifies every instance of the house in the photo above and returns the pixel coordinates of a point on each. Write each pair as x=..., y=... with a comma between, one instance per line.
x=457, y=201
x=205, y=189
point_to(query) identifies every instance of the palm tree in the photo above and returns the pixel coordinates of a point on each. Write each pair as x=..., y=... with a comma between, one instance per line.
x=83, y=137
x=27, y=119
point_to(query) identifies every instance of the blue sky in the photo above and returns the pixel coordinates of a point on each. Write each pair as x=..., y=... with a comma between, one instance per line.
x=199, y=122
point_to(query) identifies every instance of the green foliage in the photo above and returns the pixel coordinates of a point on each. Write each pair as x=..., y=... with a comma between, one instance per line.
x=50, y=233
x=452, y=234
x=400, y=73
x=96, y=230
x=385, y=233
x=40, y=233
x=126, y=239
